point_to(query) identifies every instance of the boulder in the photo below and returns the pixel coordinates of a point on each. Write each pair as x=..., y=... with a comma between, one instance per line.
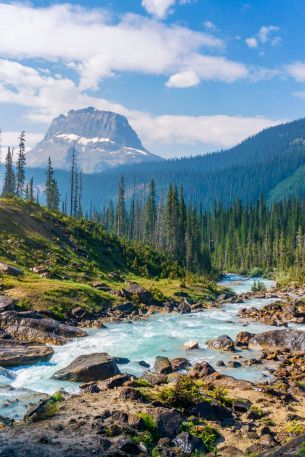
x=31, y=326
x=189, y=444
x=144, y=364
x=168, y=422
x=154, y=378
x=242, y=338
x=10, y=270
x=283, y=339
x=90, y=367
x=137, y=293
x=6, y=303
x=163, y=365
x=190, y=345
x=202, y=369
x=124, y=308
x=233, y=364
x=222, y=343
x=179, y=363
x=184, y=307
x=15, y=353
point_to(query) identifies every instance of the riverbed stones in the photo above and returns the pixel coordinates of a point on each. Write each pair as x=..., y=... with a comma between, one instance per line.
x=190, y=345
x=90, y=367
x=33, y=327
x=163, y=365
x=222, y=343
x=282, y=339
x=16, y=353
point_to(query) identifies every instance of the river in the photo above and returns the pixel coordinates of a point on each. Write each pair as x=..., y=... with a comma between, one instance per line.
x=161, y=334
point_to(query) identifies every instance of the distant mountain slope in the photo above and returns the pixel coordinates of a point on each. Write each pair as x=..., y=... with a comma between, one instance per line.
x=267, y=162
x=292, y=186
x=102, y=140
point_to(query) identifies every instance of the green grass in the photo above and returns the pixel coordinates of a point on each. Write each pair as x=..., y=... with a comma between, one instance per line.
x=74, y=253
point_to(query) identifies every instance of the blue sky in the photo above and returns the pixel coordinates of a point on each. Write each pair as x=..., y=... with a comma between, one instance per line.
x=191, y=75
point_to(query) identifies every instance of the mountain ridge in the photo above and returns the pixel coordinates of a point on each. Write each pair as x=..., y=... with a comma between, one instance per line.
x=102, y=139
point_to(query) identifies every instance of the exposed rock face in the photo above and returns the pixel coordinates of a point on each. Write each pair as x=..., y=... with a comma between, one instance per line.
x=277, y=313
x=179, y=363
x=282, y=339
x=188, y=443
x=15, y=353
x=102, y=140
x=154, y=378
x=222, y=343
x=10, y=270
x=168, y=422
x=31, y=326
x=86, y=368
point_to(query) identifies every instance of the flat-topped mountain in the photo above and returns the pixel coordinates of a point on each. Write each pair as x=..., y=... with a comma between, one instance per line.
x=102, y=140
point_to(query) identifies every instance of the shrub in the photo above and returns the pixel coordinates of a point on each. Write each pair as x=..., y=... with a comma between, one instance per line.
x=184, y=393
x=220, y=394
x=208, y=434
x=295, y=428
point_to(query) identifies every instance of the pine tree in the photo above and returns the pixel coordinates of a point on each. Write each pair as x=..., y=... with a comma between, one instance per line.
x=9, y=186
x=31, y=189
x=73, y=184
x=51, y=188
x=20, y=178
x=121, y=209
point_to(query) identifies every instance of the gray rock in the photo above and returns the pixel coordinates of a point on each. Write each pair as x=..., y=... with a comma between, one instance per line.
x=282, y=339
x=163, y=365
x=10, y=270
x=222, y=343
x=31, y=326
x=86, y=368
x=154, y=378
x=168, y=422
x=188, y=444
x=106, y=137
x=16, y=353
x=202, y=369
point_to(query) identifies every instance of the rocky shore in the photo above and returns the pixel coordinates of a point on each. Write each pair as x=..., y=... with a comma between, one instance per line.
x=175, y=408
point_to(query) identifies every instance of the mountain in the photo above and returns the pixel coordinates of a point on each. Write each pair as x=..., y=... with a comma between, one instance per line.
x=102, y=140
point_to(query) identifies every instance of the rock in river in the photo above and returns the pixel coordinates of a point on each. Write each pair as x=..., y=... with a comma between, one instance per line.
x=15, y=353
x=293, y=340
x=223, y=343
x=90, y=367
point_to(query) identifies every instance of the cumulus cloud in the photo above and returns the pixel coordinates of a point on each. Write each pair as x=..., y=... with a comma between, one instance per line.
x=265, y=35
x=183, y=79
x=297, y=71
x=96, y=45
x=158, y=8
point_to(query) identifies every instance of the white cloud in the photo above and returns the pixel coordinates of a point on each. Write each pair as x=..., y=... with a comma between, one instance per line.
x=158, y=8
x=210, y=26
x=96, y=45
x=46, y=97
x=252, y=42
x=297, y=71
x=183, y=79
x=263, y=36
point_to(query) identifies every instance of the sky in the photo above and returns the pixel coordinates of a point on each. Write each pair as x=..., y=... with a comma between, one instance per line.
x=192, y=76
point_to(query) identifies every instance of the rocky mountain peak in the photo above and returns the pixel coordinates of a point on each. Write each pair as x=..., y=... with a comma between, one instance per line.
x=102, y=140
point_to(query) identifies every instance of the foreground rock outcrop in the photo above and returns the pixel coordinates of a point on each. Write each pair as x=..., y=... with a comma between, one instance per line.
x=32, y=326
